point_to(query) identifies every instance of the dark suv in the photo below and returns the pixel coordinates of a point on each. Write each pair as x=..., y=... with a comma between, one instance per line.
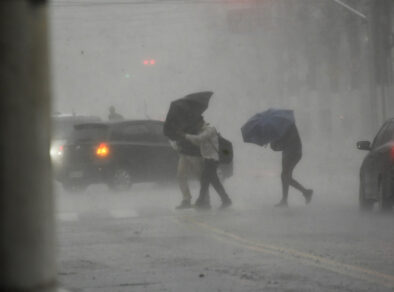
x=119, y=154
x=377, y=170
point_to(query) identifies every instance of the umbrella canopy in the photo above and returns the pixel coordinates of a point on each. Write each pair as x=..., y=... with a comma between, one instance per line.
x=197, y=101
x=185, y=113
x=267, y=126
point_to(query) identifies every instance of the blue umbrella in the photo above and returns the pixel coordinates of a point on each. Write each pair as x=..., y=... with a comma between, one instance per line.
x=267, y=126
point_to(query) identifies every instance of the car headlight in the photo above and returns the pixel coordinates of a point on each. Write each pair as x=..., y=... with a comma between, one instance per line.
x=56, y=152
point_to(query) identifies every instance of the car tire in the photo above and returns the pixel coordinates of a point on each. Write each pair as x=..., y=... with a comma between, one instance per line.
x=121, y=180
x=365, y=204
x=385, y=200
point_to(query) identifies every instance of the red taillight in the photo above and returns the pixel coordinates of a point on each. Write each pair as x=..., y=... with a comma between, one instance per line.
x=102, y=150
x=392, y=154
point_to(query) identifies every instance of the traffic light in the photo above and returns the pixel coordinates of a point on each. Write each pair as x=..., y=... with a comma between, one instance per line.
x=149, y=62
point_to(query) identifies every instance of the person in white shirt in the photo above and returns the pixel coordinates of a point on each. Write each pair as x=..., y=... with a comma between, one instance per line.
x=208, y=141
x=190, y=165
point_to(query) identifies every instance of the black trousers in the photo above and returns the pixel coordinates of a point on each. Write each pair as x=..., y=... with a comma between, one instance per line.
x=290, y=158
x=209, y=176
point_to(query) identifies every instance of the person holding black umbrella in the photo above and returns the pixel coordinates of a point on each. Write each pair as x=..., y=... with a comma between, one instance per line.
x=183, y=117
x=208, y=141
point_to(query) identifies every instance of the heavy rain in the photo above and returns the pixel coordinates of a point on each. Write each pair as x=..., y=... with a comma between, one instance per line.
x=142, y=94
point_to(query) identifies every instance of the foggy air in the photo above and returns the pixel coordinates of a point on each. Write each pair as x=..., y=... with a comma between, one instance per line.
x=204, y=145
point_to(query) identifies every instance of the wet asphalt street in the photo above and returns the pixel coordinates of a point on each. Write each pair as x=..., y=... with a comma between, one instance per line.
x=137, y=241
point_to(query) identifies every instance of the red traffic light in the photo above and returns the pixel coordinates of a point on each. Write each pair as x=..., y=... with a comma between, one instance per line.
x=149, y=62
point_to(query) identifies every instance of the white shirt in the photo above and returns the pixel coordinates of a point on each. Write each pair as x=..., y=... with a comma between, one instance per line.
x=208, y=141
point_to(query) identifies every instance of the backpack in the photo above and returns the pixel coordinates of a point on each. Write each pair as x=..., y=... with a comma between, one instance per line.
x=226, y=153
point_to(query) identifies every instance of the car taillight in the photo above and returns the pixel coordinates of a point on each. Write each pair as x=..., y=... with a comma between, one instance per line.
x=102, y=150
x=392, y=153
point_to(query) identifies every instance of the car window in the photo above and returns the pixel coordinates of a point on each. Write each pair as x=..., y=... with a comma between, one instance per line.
x=157, y=130
x=384, y=135
x=134, y=133
x=88, y=133
x=389, y=133
x=62, y=128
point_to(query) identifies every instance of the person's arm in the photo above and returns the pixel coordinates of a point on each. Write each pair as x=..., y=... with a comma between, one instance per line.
x=201, y=137
x=174, y=145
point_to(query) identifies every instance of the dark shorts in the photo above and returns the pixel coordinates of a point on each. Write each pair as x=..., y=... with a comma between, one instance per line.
x=290, y=158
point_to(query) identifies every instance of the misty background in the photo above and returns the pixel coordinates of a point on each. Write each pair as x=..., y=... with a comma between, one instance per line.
x=312, y=56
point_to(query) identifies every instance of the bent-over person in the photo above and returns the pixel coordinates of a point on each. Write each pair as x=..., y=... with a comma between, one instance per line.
x=291, y=147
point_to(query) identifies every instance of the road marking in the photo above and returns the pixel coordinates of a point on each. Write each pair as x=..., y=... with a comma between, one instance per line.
x=306, y=258
x=113, y=213
x=68, y=216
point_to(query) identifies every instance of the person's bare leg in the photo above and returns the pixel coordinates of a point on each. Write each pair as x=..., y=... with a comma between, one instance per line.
x=306, y=192
x=183, y=183
x=295, y=184
x=285, y=177
x=289, y=161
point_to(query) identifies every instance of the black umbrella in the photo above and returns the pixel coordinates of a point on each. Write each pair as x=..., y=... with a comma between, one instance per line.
x=185, y=113
x=198, y=101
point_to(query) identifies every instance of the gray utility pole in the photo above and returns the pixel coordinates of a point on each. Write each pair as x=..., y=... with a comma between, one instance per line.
x=27, y=236
x=381, y=44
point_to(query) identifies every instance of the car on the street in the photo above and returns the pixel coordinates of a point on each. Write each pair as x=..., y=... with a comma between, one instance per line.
x=62, y=127
x=119, y=154
x=377, y=170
